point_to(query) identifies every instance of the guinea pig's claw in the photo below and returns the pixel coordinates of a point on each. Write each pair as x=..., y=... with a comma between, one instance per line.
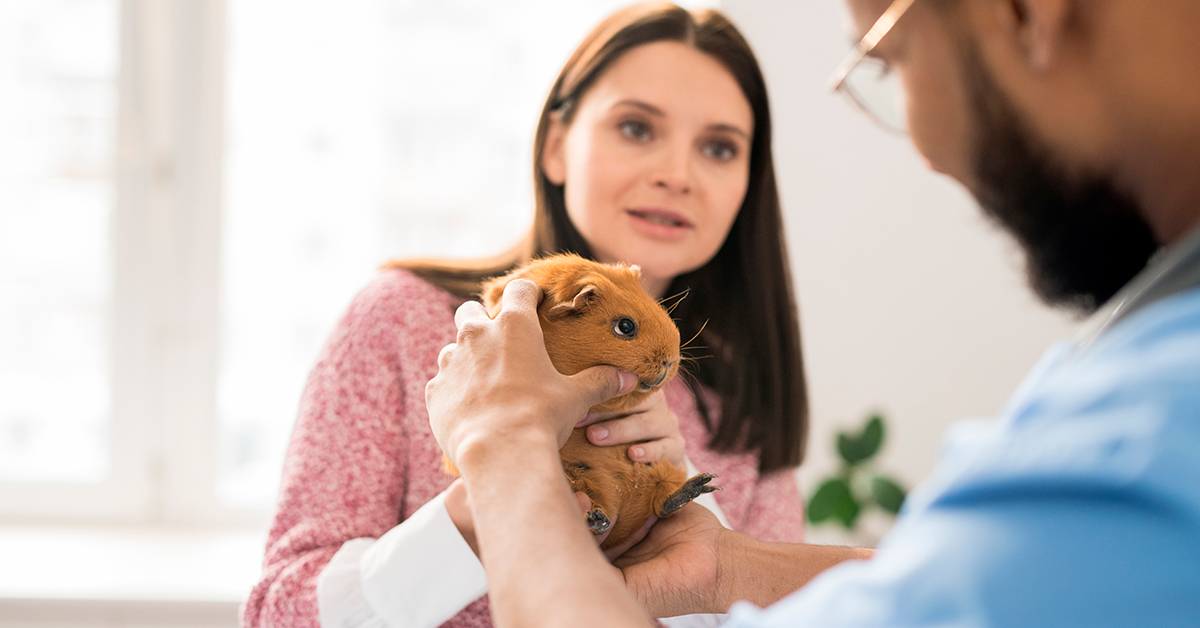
x=693, y=488
x=597, y=521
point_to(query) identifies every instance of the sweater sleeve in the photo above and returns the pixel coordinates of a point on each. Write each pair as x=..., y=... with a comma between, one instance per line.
x=345, y=470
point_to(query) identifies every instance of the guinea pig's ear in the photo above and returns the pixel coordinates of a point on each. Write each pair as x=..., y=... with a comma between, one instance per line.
x=583, y=300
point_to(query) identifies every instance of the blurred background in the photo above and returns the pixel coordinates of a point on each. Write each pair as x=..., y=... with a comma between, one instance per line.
x=192, y=190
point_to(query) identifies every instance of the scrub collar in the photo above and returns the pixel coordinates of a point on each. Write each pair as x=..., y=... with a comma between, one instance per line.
x=1171, y=270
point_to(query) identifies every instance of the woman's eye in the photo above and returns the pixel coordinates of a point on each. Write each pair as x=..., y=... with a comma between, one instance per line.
x=720, y=151
x=635, y=130
x=624, y=327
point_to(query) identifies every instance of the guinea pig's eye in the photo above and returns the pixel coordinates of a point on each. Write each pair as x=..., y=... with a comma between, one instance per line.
x=624, y=327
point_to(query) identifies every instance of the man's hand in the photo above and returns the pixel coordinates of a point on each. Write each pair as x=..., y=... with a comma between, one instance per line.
x=675, y=570
x=497, y=382
x=689, y=563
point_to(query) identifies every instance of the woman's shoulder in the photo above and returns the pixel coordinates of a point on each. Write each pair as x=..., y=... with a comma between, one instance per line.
x=396, y=290
x=401, y=284
x=394, y=305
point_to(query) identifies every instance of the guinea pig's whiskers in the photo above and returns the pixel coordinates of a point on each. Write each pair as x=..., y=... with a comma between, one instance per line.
x=678, y=298
x=685, y=345
x=688, y=375
x=687, y=363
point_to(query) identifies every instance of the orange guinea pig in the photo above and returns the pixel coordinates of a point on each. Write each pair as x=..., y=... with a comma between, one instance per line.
x=594, y=314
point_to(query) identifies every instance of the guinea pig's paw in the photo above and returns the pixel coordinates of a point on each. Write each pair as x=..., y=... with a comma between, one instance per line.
x=693, y=488
x=598, y=522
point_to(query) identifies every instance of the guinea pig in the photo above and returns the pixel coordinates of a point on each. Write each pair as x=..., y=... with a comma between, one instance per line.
x=592, y=314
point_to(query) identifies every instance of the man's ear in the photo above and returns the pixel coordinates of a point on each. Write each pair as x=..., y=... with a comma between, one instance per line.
x=554, y=162
x=1040, y=28
x=584, y=299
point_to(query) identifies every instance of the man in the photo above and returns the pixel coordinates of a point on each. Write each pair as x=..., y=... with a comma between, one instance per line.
x=1076, y=124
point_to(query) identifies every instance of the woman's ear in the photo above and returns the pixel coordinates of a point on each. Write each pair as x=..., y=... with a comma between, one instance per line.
x=554, y=163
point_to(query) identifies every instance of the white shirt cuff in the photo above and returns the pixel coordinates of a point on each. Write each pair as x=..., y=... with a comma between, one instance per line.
x=417, y=575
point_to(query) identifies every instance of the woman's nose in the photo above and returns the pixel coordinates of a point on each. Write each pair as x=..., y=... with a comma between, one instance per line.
x=675, y=172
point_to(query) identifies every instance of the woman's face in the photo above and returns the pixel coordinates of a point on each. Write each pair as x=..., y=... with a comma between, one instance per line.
x=656, y=160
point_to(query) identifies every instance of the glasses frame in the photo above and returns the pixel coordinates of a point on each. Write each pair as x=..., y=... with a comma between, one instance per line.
x=879, y=30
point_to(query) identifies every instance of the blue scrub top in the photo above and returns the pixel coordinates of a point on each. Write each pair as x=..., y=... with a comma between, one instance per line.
x=1079, y=506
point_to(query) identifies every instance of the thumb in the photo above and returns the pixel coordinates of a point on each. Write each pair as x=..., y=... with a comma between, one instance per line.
x=601, y=383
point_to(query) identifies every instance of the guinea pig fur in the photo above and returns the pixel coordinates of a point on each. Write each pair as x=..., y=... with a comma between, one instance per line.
x=592, y=314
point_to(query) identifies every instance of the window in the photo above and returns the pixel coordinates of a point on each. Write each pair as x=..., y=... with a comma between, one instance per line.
x=191, y=193
x=56, y=142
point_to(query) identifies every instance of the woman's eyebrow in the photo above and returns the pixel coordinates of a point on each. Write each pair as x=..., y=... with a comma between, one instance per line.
x=639, y=104
x=729, y=128
x=655, y=111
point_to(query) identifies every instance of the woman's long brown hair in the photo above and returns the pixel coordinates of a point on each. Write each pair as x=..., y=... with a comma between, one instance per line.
x=739, y=305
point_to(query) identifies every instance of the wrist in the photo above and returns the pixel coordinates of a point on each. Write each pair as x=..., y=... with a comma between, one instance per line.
x=728, y=586
x=764, y=573
x=459, y=509
x=503, y=448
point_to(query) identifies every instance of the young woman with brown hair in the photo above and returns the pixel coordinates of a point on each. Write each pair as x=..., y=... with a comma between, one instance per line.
x=653, y=148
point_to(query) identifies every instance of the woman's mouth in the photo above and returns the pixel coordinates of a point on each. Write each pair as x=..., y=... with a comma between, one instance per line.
x=660, y=217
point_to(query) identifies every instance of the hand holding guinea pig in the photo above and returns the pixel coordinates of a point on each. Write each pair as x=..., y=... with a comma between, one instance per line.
x=651, y=425
x=591, y=315
x=497, y=382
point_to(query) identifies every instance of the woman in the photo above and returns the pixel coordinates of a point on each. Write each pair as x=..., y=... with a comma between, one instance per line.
x=653, y=148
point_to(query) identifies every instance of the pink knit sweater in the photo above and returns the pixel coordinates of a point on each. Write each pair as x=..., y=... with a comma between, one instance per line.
x=362, y=458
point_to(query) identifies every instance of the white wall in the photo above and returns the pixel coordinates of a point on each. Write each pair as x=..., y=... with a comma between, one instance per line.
x=910, y=301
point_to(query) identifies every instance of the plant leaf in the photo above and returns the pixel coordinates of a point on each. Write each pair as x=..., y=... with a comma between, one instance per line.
x=829, y=500
x=849, y=448
x=847, y=512
x=856, y=448
x=887, y=493
x=872, y=436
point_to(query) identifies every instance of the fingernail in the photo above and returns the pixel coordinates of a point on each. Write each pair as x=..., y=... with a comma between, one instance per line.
x=599, y=432
x=637, y=452
x=628, y=381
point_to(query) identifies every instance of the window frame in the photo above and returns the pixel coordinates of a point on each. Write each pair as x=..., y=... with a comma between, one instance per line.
x=164, y=312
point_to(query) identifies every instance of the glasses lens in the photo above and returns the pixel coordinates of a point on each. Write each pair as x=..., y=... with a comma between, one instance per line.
x=875, y=88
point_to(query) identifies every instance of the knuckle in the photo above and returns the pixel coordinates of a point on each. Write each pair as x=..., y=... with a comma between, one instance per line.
x=469, y=330
x=444, y=356
x=652, y=452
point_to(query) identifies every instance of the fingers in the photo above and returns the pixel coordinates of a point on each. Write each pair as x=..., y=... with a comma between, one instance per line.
x=520, y=295
x=670, y=449
x=647, y=404
x=633, y=430
x=471, y=311
x=601, y=383
x=629, y=428
x=616, y=551
x=585, y=502
x=585, y=506
x=444, y=356
x=652, y=429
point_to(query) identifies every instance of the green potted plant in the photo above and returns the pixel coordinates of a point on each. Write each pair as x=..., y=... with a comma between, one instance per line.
x=856, y=488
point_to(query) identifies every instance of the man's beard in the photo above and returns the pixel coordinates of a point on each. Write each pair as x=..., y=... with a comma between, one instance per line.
x=1083, y=239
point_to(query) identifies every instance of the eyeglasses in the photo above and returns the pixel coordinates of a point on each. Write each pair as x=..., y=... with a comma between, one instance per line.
x=869, y=83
